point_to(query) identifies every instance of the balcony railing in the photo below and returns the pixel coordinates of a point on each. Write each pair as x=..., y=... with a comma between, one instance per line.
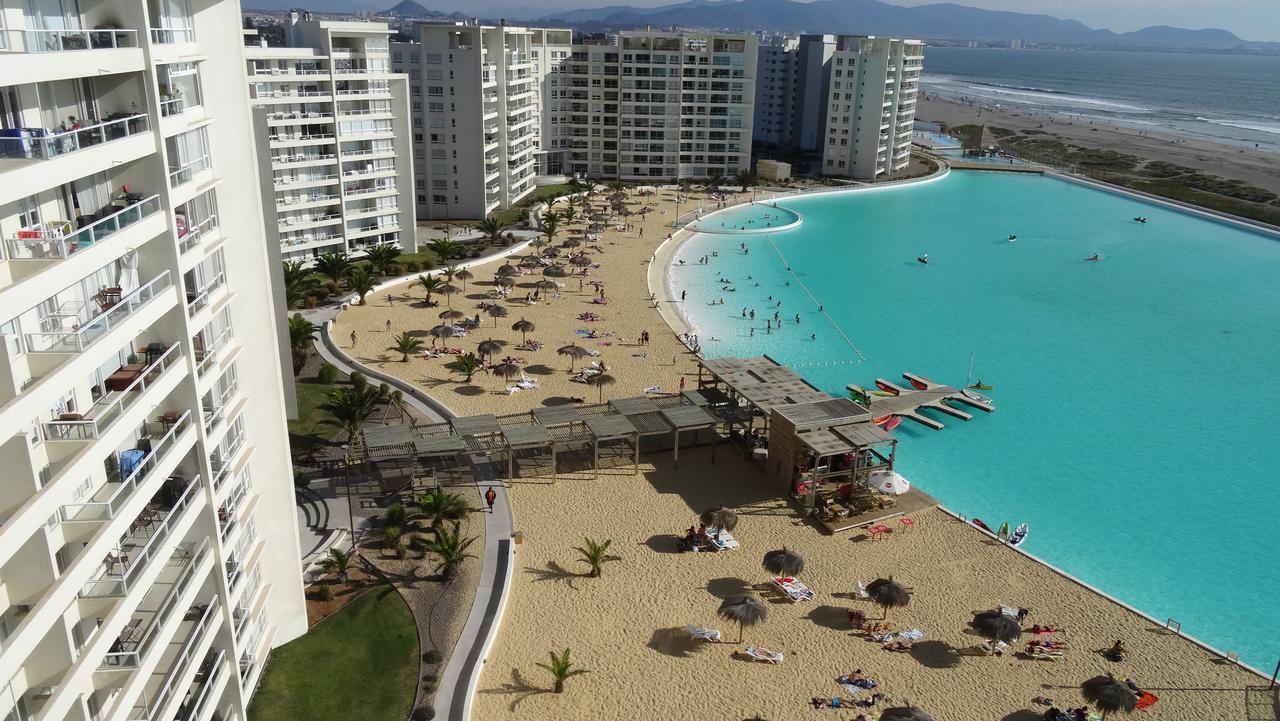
x=207, y=358
x=184, y=174
x=193, y=709
x=105, y=416
x=197, y=300
x=189, y=239
x=175, y=106
x=87, y=333
x=33, y=244
x=131, y=659
x=150, y=711
x=109, y=507
x=58, y=41
x=34, y=143
x=119, y=584
x=216, y=412
x=169, y=36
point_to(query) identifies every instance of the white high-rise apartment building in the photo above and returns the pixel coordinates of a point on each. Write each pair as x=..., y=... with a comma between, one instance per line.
x=501, y=105
x=871, y=106
x=148, y=546
x=475, y=117
x=334, y=151
x=791, y=91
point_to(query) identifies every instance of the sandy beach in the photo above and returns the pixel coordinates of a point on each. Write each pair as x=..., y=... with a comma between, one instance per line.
x=623, y=266
x=627, y=627
x=1256, y=167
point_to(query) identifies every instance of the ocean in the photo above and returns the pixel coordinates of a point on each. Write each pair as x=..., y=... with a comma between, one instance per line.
x=1226, y=98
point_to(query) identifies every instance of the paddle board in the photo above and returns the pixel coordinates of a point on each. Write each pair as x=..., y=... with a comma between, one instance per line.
x=1019, y=534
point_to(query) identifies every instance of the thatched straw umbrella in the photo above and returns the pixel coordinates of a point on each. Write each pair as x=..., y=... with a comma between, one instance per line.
x=600, y=381
x=507, y=370
x=996, y=626
x=546, y=284
x=531, y=260
x=1108, y=694
x=783, y=562
x=523, y=327
x=571, y=243
x=464, y=275
x=550, y=253
x=904, y=713
x=496, y=311
x=888, y=593
x=508, y=269
x=743, y=610
x=489, y=347
x=719, y=517
x=441, y=331
x=581, y=261
x=452, y=314
x=448, y=290
x=574, y=351
x=555, y=271
x=505, y=281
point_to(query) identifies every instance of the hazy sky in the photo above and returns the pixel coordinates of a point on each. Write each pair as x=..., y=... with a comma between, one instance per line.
x=1250, y=19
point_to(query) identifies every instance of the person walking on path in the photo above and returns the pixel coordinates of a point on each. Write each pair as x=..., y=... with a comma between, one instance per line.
x=353, y=339
x=489, y=497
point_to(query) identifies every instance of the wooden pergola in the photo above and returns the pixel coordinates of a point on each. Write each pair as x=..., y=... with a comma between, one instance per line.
x=612, y=427
x=527, y=437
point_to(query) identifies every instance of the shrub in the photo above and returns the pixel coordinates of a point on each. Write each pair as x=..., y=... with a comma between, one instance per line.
x=321, y=294
x=312, y=302
x=358, y=380
x=423, y=713
x=427, y=264
x=412, y=266
x=395, y=269
x=431, y=657
x=334, y=288
x=429, y=676
x=326, y=593
x=328, y=373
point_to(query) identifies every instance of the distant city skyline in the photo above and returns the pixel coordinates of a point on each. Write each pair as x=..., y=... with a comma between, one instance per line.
x=1256, y=20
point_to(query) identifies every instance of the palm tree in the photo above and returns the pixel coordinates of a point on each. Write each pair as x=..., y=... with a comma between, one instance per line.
x=297, y=283
x=393, y=537
x=381, y=255
x=570, y=214
x=448, y=272
x=745, y=178
x=617, y=186
x=431, y=284
x=550, y=225
x=338, y=562
x=595, y=555
x=301, y=333
x=334, y=266
x=468, y=365
x=444, y=248
x=361, y=282
x=350, y=407
x=562, y=669
x=451, y=550
x=600, y=381
x=438, y=506
x=492, y=229
x=405, y=344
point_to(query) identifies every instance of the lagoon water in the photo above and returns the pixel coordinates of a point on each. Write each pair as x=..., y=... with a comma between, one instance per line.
x=1137, y=397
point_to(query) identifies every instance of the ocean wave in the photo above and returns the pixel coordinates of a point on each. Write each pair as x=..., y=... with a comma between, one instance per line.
x=1064, y=98
x=1027, y=87
x=1272, y=128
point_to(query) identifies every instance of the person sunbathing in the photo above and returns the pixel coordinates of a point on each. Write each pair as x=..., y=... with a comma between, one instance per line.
x=1048, y=644
x=1117, y=652
x=1040, y=630
x=833, y=702
x=900, y=645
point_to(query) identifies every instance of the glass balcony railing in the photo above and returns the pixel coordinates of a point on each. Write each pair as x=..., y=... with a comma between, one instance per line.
x=207, y=358
x=194, y=707
x=191, y=236
x=109, y=507
x=36, y=144
x=104, y=415
x=170, y=36
x=149, y=709
x=120, y=573
x=198, y=300
x=38, y=244
x=86, y=331
x=184, y=174
x=58, y=41
x=122, y=657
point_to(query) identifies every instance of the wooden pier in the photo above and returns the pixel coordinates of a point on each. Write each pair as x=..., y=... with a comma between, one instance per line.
x=911, y=399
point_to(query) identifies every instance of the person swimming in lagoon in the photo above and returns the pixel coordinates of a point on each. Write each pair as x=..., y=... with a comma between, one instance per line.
x=923, y=259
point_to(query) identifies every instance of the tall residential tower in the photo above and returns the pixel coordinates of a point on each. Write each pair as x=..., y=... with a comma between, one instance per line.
x=871, y=106
x=148, y=546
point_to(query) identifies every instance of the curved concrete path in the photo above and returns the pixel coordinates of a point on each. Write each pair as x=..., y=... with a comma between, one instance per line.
x=457, y=684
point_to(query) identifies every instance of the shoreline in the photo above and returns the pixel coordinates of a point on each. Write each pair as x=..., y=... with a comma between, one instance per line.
x=1257, y=167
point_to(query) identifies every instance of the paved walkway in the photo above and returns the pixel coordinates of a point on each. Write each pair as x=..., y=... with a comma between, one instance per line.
x=457, y=683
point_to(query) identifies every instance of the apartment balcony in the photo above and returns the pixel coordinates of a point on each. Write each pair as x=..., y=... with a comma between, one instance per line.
x=366, y=113
x=298, y=117
x=189, y=171
x=363, y=93
x=287, y=203
x=293, y=140
x=372, y=190
x=309, y=241
x=34, y=249
x=366, y=229
x=191, y=237
x=217, y=406
x=369, y=153
x=356, y=213
x=186, y=664
x=306, y=181
x=128, y=385
x=282, y=97
x=302, y=160
x=33, y=159
x=60, y=54
x=267, y=74
x=199, y=299
x=369, y=172
x=291, y=223
x=236, y=509
x=222, y=460
x=85, y=331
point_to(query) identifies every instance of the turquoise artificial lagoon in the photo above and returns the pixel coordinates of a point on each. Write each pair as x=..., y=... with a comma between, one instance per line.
x=1137, y=396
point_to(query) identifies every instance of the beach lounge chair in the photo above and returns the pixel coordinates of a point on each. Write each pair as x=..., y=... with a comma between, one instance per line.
x=698, y=633
x=794, y=589
x=861, y=590
x=762, y=654
x=1042, y=654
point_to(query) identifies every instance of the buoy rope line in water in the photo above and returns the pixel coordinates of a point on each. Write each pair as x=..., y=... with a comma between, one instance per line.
x=821, y=309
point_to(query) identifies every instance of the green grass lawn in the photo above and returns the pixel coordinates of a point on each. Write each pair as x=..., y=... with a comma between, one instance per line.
x=312, y=421
x=360, y=664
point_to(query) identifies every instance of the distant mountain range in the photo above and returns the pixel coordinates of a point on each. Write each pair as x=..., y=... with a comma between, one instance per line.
x=941, y=21
x=871, y=17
